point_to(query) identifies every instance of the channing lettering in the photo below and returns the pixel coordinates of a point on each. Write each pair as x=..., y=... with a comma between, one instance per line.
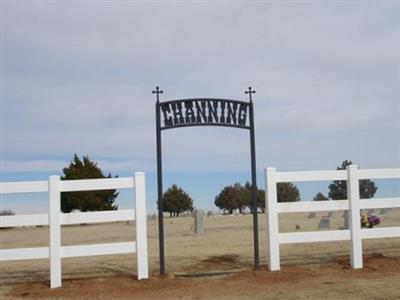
x=192, y=112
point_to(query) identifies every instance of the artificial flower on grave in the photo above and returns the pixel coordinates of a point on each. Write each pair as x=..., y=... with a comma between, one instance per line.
x=369, y=221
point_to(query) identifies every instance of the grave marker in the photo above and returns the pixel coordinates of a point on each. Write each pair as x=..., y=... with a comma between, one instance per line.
x=311, y=215
x=346, y=219
x=324, y=223
x=198, y=222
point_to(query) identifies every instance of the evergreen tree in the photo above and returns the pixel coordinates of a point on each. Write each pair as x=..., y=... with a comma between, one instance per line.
x=260, y=197
x=287, y=192
x=320, y=197
x=87, y=200
x=230, y=198
x=338, y=188
x=261, y=200
x=239, y=197
x=176, y=201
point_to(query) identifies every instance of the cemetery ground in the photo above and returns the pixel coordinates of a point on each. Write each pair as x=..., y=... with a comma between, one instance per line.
x=215, y=265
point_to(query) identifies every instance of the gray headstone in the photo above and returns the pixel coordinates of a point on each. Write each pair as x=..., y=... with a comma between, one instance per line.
x=324, y=223
x=346, y=219
x=198, y=222
x=311, y=215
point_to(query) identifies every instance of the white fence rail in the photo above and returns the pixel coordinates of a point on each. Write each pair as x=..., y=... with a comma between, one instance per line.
x=353, y=204
x=55, y=219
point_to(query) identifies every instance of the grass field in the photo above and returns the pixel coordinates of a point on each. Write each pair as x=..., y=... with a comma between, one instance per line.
x=197, y=265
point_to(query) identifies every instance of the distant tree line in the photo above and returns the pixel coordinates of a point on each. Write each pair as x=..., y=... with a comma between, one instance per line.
x=338, y=188
x=6, y=212
x=239, y=198
x=231, y=198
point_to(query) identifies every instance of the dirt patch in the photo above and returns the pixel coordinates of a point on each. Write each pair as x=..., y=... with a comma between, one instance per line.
x=379, y=275
x=216, y=264
x=222, y=259
x=159, y=287
x=376, y=262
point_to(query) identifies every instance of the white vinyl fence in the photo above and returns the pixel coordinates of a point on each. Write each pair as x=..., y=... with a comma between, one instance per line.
x=54, y=186
x=353, y=204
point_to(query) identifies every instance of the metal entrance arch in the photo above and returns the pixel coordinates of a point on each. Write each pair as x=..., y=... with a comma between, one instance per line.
x=205, y=112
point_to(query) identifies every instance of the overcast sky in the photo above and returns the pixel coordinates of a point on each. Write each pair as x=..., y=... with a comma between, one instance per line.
x=77, y=77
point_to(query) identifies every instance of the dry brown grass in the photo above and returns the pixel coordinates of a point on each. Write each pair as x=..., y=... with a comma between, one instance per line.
x=225, y=246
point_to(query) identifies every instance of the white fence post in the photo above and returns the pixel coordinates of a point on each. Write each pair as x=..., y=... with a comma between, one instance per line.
x=271, y=204
x=353, y=194
x=141, y=225
x=55, y=231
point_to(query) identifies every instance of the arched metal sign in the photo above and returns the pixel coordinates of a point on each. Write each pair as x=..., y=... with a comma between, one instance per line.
x=205, y=112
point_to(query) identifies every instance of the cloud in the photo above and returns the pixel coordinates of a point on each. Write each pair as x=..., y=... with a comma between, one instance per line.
x=32, y=165
x=58, y=165
x=77, y=78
